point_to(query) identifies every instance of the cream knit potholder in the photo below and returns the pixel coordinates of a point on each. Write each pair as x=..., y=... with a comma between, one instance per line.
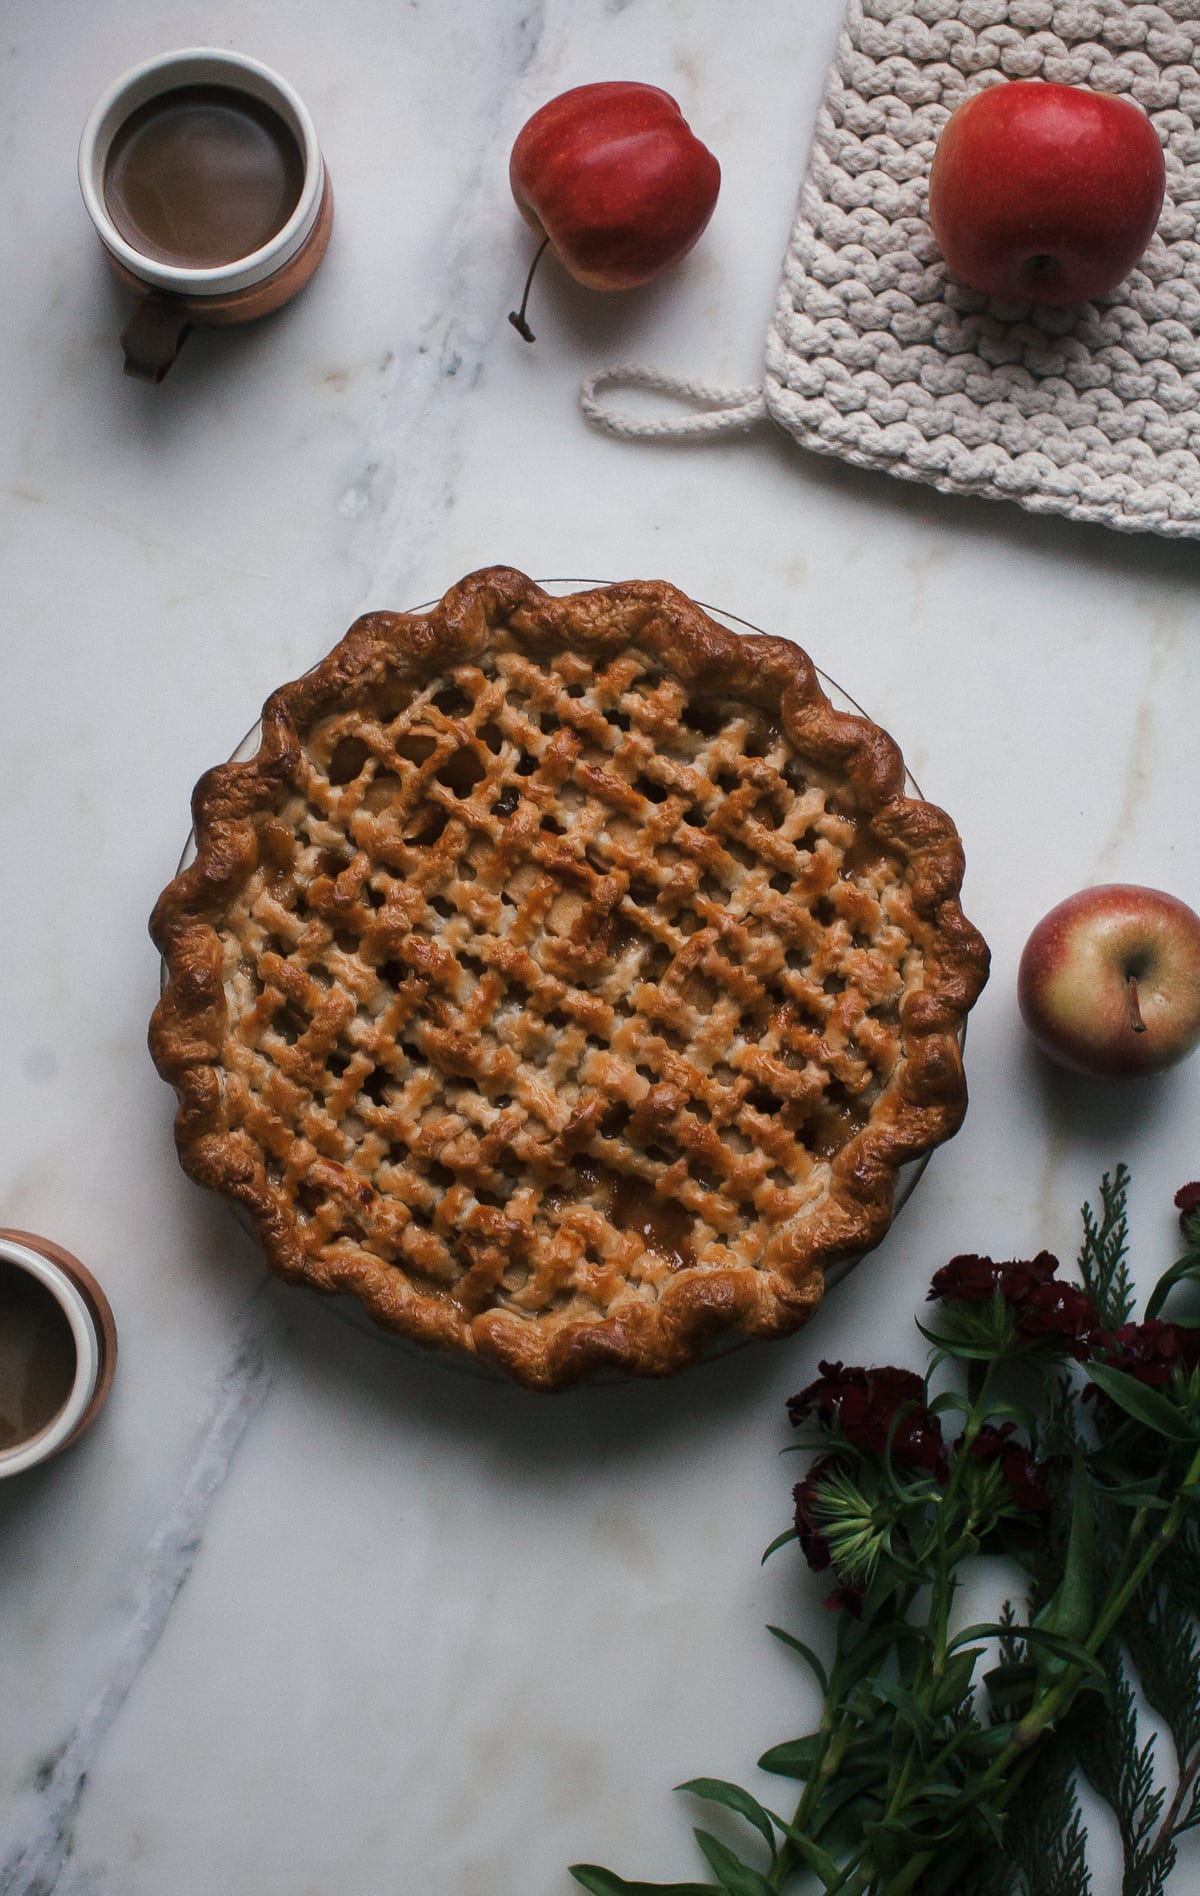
x=879, y=355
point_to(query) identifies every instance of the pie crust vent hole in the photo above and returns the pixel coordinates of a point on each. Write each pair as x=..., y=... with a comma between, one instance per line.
x=461, y=772
x=349, y=756
x=452, y=701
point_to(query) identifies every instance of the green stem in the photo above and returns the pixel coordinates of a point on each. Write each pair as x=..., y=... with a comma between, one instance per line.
x=932, y=1664
x=835, y=1734
x=905, y=1878
x=905, y=1764
x=1120, y=1594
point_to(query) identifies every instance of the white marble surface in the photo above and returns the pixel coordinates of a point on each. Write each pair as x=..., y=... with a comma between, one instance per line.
x=304, y=1614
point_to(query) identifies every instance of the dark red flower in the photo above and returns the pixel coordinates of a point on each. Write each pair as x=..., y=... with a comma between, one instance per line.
x=813, y=1544
x=1187, y=1199
x=849, y=1594
x=971, y=1279
x=1024, y=1474
x=865, y=1403
x=1063, y=1314
x=1043, y=1306
x=848, y=1598
x=1152, y=1352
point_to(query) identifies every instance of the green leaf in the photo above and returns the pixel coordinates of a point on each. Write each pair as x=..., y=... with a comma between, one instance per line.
x=1011, y=1684
x=781, y=1540
x=734, y=1876
x=955, y=1682
x=1068, y=1611
x=1013, y=1412
x=733, y=1797
x=950, y=1346
x=950, y=1399
x=905, y=1707
x=911, y=1488
x=1187, y=1270
x=982, y=1629
x=1056, y=1643
x=852, y=1797
x=988, y=1872
x=1069, y=1651
x=1141, y=1492
x=1145, y=1405
x=863, y=1658
x=989, y=1741
x=795, y=1758
x=604, y=1883
x=806, y=1653
x=818, y=1860
x=891, y=1574
x=954, y=1400
x=891, y=1830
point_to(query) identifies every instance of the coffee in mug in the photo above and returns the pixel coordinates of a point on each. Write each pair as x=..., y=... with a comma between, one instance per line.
x=203, y=176
x=38, y=1356
x=58, y=1347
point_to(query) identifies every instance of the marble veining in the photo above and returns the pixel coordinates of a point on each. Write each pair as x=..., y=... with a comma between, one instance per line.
x=37, y=1833
x=414, y=445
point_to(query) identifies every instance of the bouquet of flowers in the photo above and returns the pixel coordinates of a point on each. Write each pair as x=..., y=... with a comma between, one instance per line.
x=1050, y=1426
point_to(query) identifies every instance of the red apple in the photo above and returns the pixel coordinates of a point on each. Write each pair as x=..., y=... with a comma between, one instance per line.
x=1045, y=193
x=613, y=179
x=1109, y=981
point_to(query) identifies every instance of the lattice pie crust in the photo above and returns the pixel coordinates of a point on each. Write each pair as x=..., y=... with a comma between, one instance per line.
x=564, y=978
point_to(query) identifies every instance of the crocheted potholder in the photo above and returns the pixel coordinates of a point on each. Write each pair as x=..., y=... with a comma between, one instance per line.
x=879, y=355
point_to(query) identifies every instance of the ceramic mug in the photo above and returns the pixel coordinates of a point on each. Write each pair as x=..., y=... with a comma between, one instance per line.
x=58, y=1350
x=202, y=174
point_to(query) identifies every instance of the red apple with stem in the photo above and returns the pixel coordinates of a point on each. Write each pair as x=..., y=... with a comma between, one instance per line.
x=612, y=178
x=1045, y=193
x=1109, y=981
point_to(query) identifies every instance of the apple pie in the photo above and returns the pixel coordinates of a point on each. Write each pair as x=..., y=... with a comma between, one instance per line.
x=565, y=979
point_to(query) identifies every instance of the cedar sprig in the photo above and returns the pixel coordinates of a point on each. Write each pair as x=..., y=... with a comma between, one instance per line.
x=1044, y=1851
x=1103, y=1254
x=1164, y=1643
x=1120, y=1765
x=947, y=1757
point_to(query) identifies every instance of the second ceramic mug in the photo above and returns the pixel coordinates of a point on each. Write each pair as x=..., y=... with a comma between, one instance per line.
x=58, y=1350
x=182, y=164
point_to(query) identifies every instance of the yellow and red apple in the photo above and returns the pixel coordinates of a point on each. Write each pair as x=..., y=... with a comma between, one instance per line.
x=1109, y=981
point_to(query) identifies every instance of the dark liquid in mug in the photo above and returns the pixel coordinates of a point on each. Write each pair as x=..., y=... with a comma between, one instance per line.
x=201, y=176
x=37, y=1356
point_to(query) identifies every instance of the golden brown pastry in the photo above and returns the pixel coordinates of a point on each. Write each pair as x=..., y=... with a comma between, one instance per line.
x=565, y=978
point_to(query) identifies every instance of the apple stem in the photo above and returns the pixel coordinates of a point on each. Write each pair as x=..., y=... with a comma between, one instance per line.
x=517, y=316
x=1135, y=1008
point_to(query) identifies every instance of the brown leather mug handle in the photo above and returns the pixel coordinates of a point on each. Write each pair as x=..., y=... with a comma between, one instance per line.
x=153, y=336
